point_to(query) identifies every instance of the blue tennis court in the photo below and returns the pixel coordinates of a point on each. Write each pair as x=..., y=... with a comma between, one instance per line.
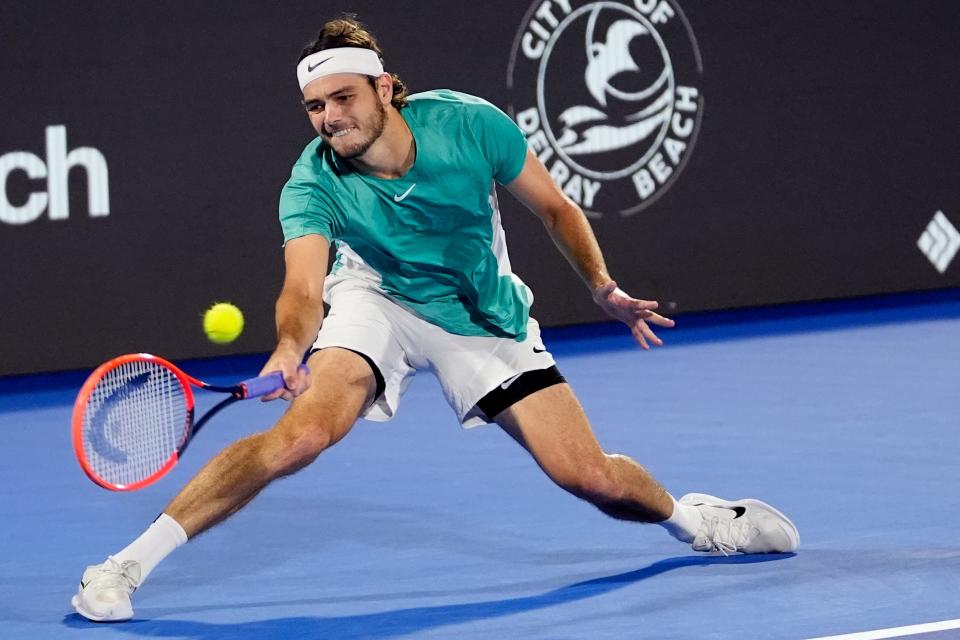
x=843, y=415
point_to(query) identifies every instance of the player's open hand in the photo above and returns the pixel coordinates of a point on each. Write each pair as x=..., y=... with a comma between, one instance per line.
x=634, y=313
x=296, y=378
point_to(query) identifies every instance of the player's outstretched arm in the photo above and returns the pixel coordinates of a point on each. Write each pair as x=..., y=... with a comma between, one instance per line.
x=299, y=311
x=571, y=232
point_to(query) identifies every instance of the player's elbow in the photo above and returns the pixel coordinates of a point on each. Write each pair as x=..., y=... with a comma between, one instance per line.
x=560, y=214
x=304, y=293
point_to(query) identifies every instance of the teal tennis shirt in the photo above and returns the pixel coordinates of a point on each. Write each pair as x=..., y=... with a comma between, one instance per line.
x=431, y=240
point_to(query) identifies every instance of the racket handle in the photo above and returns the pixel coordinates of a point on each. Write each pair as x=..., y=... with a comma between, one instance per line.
x=256, y=387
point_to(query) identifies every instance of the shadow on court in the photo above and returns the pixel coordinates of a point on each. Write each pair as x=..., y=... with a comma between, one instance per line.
x=399, y=622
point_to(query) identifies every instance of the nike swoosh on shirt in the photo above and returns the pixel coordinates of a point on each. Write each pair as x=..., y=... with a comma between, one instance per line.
x=399, y=198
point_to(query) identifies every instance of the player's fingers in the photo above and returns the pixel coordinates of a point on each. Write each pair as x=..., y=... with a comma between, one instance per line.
x=651, y=336
x=303, y=381
x=660, y=321
x=272, y=396
x=635, y=330
x=647, y=333
x=291, y=377
x=645, y=305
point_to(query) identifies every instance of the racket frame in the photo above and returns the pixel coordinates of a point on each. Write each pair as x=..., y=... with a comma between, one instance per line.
x=237, y=392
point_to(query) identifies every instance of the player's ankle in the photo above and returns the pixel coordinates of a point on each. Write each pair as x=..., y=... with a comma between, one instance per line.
x=153, y=545
x=684, y=522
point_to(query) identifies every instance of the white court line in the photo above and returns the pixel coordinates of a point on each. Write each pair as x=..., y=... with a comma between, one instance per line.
x=896, y=632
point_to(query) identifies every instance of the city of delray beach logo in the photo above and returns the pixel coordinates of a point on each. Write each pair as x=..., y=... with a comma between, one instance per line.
x=607, y=94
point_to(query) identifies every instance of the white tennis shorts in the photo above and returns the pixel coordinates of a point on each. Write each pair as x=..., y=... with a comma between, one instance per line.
x=400, y=343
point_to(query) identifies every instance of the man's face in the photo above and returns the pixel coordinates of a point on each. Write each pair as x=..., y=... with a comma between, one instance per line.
x=346, y=111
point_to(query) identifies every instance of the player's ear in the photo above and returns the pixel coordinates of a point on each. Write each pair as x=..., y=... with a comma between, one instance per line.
x=385, y=88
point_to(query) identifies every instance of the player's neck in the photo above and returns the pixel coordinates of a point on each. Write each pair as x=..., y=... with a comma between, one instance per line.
x=393, y=153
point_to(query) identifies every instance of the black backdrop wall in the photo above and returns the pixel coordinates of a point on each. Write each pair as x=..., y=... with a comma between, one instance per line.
x=729, y=153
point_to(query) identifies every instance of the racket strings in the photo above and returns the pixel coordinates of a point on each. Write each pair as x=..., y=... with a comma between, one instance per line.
x=136, y=418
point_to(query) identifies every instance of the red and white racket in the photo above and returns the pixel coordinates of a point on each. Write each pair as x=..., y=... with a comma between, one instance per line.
x=133, y=418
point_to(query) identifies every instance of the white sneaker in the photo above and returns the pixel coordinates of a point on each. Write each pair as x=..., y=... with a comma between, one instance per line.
x=747, y=526
x=104, y=593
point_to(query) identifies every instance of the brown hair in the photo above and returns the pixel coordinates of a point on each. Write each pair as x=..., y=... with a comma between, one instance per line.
x=346, y=31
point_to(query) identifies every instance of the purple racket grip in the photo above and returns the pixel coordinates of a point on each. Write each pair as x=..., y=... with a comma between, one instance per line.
x=256, y=387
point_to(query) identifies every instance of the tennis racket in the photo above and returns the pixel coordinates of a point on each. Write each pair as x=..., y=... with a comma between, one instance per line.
x=133, y=418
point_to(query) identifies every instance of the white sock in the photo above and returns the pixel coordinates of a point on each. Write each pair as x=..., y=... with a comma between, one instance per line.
x=684, y=522
x=154, y=544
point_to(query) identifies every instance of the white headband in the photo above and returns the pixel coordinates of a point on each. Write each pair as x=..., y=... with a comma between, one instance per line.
x=339, y=60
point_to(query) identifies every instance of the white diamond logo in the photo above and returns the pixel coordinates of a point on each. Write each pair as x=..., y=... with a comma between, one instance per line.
x=940, y=242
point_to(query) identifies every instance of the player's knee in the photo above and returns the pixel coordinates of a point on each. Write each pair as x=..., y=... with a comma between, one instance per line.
x=309, y=443
x=294, y=448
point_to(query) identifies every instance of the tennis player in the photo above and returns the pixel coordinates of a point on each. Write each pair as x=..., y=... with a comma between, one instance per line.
x=403, y=185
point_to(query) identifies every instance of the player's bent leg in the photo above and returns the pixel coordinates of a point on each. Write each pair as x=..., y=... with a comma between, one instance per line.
x=552, y=426
x=343, y=385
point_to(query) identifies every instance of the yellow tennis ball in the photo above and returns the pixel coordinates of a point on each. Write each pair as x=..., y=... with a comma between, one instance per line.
x=223, y=322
